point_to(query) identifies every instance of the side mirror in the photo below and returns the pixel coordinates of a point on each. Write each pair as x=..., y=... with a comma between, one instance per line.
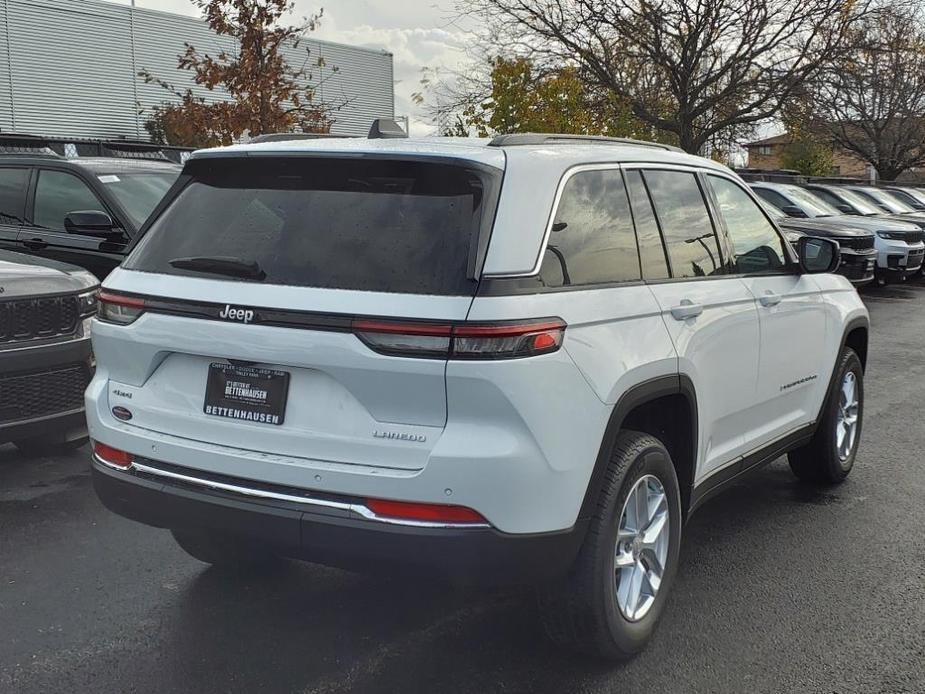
x=845, y=209
x=818, y=255
x=793, y=211
x=90, y=223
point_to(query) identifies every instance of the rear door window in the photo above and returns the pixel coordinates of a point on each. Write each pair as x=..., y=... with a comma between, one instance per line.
x=13, y=183
x=651, y=249
x=685, y=221
x=592, y=239
x=381, y=225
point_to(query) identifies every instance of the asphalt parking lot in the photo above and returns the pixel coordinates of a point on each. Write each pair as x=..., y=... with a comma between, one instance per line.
x=781, y=588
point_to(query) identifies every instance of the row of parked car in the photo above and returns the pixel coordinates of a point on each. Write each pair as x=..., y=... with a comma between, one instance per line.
x=880, y=229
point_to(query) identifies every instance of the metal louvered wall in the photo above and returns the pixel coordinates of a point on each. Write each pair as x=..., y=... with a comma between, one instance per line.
x=68, y=68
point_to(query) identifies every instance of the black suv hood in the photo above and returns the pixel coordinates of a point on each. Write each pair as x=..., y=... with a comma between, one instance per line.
x=912, y=218
x=25, y=275
x=824, y=227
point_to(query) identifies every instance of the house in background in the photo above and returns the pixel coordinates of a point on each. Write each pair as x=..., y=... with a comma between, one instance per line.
x=766, y=155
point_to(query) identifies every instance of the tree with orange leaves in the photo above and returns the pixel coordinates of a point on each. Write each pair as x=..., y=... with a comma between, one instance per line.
x=267, y=94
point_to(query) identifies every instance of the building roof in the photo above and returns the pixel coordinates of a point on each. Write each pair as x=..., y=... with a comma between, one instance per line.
x=782, y=139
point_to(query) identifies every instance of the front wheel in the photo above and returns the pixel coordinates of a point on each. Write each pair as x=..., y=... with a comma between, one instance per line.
x=616, y=591
x=829, y=456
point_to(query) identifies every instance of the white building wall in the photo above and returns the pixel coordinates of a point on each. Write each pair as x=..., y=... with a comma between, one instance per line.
x=68, y=68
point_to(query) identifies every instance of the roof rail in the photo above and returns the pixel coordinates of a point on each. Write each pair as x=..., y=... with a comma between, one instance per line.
x=77, y=147
x=20, y=143
x=285, y=137
x=557, y=138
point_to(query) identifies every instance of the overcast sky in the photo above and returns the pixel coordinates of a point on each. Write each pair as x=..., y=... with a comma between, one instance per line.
x=418, y=32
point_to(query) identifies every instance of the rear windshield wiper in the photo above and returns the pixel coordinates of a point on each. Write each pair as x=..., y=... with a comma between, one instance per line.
x=221, y=265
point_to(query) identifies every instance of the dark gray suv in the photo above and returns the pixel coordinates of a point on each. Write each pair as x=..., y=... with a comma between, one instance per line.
x=45, y=356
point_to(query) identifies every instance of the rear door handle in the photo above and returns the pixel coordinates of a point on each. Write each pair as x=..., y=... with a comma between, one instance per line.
x=35, y=244
x=687, y=309
x=769, y=299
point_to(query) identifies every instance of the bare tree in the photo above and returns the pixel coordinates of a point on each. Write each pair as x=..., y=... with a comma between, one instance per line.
x=872, y=102
x=694, y=68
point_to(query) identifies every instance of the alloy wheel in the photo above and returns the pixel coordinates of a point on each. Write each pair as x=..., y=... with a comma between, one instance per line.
x=642, y=547
x=846, y=421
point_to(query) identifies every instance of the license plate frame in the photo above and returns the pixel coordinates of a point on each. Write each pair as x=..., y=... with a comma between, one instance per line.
x=246, y=393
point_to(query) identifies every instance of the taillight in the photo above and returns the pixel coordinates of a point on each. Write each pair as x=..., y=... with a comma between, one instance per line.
x=508, y=340
x=432, y=513
x=112, y=456
x=118, y=308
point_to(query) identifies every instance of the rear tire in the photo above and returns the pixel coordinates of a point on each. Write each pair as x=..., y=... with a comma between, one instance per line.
x=829, y=456
x=221, y=550
x=588, y=612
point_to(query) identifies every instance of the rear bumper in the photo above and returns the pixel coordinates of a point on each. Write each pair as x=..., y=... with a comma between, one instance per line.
x=333, y=536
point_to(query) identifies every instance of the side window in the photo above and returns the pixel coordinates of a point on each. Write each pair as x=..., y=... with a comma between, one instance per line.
x=685, y=221
x=58, y=194
x=827, y=196
x=651, y=250
x=13, y=184
x=592, y=239
x=773, y=197
x=756, y=245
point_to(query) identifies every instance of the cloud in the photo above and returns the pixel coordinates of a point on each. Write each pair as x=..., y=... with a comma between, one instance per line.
x=413, y=49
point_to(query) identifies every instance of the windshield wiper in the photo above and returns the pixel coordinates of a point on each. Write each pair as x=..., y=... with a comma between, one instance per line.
x=221, y=265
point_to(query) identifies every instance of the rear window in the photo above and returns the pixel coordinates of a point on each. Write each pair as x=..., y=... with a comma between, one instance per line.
x=365, y=224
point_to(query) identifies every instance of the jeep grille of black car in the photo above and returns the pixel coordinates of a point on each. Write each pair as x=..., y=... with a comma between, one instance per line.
x=43, y=393
x=857, y=243
x=37, y=319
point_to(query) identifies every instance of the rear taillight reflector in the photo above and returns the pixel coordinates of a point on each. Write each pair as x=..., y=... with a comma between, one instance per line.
x=112, y=456
x=462, y=340
x=118, y=308
x=431, y=513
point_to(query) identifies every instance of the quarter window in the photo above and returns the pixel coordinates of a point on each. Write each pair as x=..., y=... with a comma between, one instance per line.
x=57, y=195
x=757, y=247
x=685, y=222
x=12, y=195
x=592, y=239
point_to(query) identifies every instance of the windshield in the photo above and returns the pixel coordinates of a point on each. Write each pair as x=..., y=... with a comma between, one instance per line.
x=887, y=201
x=858, y=202
x=384, y=225
x=139, y=192
x=915, y=193
x=810, y=204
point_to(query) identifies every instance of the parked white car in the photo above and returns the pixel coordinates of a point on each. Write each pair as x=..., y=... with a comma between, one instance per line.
x=526, y=359
x=899, y=244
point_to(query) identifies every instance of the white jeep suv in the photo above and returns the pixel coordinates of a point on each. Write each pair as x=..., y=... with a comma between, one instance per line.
x=528, y=359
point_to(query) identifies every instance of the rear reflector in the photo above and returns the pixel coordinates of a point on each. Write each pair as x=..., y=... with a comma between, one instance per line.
x=112, y=456
x=508, y=340
x=118, y=308
x=433, y=513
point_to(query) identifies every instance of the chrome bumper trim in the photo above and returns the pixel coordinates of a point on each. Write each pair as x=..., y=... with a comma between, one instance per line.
x=356, y=509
